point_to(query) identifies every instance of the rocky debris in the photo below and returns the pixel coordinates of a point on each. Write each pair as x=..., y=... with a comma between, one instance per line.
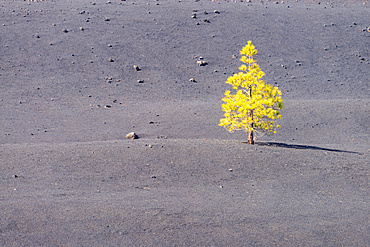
x=161, y=137
x=206, y=21
x=109, y=79
x=107, y=106
x=216, y=11
x=140, y=81
x=136, y=68
x=110, y=60
x=192, y=80
x=132, y=135
x=65, y=30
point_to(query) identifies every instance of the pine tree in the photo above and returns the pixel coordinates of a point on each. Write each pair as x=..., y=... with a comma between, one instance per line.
x=255, y=105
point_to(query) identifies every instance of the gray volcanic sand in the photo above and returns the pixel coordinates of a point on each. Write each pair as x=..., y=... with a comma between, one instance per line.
x=69, y=94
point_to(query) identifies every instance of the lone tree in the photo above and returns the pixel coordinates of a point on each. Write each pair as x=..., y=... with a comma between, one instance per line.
x=255, y=105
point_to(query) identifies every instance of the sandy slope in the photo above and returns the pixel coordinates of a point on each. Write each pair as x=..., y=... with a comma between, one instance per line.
x=69, y=94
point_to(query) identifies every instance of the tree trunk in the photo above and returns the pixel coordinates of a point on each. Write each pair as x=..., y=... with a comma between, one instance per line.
x=250, y=137
x=250, y=113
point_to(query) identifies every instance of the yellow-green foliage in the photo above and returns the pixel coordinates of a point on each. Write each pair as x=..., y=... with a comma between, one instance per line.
x=255, y=105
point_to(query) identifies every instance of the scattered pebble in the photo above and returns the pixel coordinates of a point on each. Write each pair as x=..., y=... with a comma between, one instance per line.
x=110, y=60
x=106, y=19
x=192, y=80
x=65, y=30
x=216, y=11
x=136, y=68
x=206, y=21
x=107, y=106
x=140, y=81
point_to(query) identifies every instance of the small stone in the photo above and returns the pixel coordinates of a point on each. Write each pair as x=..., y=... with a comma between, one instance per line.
x=368, y=29
x=132, y=136
x=109, y=45
x=221, y=186
x=231, y=170
x=65, y=30
x=110, y=60
x=136, y=68
x=106, y=19
x=216, y=11
x=202, y=63
x=107, y=106
x=140, y=81
x=81, y=28
x=206, y=21
x=192, y=80
x=15, y=176
x=153, y=176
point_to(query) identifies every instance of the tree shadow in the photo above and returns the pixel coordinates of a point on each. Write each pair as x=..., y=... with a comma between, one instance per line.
x=296, y=146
